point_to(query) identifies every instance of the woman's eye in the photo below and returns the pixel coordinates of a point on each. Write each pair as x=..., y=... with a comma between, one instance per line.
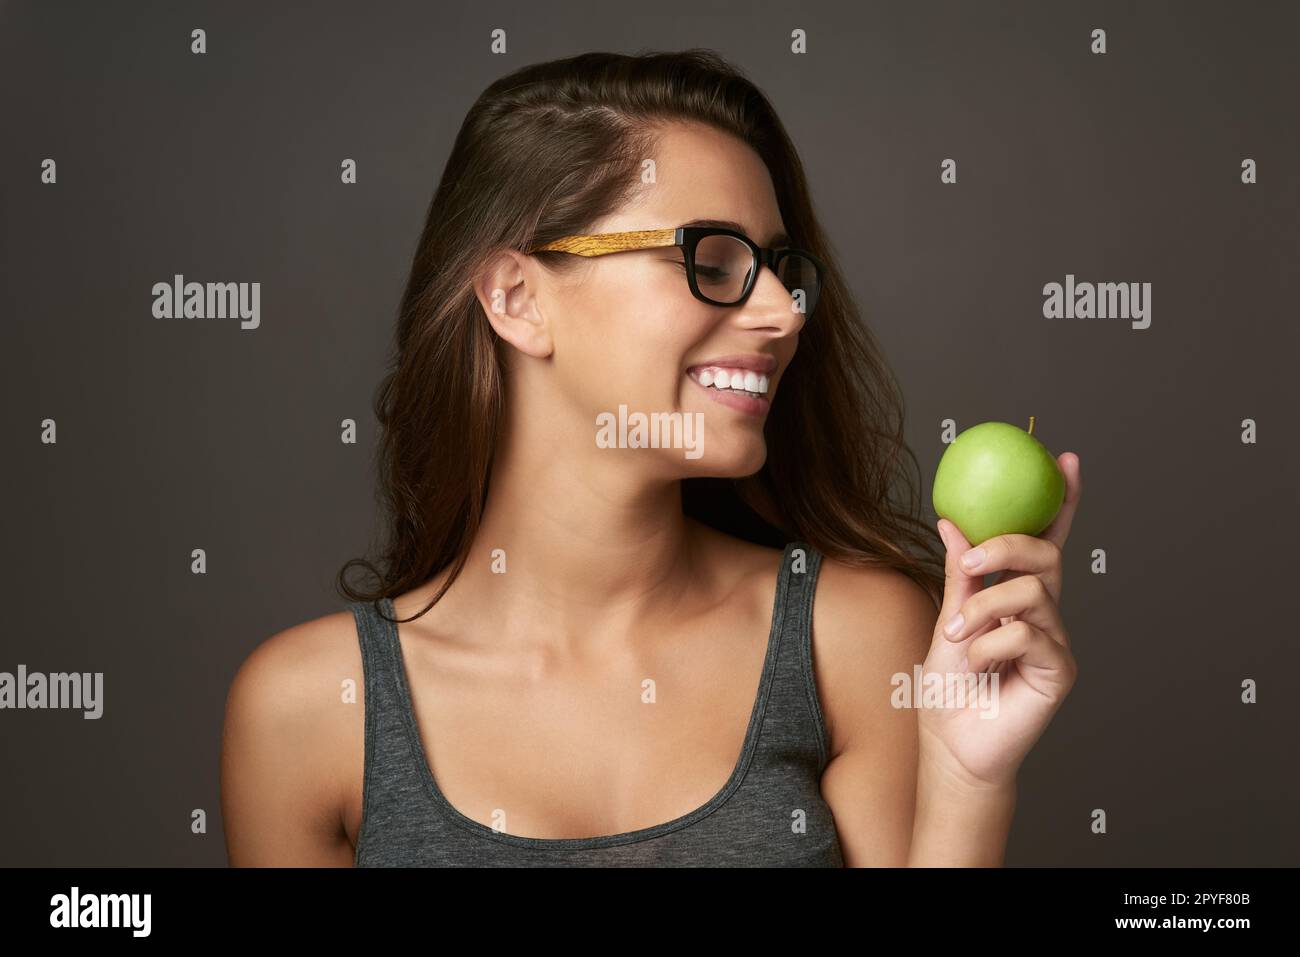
x=704, y=273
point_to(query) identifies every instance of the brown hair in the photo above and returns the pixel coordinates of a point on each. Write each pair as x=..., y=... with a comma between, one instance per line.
x=544, y=152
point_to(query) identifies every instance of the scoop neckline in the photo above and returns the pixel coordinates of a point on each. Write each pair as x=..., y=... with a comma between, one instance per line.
x=759, y=709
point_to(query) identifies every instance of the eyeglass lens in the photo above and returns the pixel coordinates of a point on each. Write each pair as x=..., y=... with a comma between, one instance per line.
x=723, y=264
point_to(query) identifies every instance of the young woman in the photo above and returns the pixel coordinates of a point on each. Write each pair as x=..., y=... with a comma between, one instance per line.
x=593, y=643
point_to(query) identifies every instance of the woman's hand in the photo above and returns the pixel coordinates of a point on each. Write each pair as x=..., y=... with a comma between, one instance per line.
x=1012, y=629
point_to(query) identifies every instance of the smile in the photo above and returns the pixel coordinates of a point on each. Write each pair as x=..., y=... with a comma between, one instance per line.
x=741, y=381
x=744, y=390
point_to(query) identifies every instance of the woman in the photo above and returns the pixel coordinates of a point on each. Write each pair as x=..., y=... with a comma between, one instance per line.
x=597, y=643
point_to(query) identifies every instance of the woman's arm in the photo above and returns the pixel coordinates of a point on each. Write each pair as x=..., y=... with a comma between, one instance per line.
x=870, y=625
x=894, y=805
x=876, y=629
x=284, y=744
x=957, y=825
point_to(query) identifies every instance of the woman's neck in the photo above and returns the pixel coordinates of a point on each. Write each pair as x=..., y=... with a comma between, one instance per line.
x=575, y=546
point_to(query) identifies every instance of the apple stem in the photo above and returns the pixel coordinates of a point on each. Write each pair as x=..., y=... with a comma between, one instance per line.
x=1031, y=425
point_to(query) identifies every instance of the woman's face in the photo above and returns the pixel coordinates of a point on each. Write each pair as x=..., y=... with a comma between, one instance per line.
x=625, y=330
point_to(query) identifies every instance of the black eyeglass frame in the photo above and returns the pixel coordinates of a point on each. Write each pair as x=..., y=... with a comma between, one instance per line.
x=688, y=238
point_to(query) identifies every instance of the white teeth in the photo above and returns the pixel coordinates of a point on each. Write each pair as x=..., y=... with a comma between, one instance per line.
x=740, y=380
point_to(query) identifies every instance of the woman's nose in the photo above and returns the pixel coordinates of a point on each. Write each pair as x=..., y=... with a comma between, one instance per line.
x=771, y=306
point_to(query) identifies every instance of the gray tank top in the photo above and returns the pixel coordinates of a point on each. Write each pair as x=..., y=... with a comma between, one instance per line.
x=770, y=813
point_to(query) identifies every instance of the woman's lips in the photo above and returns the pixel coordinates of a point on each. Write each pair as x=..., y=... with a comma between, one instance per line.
x=755, y=405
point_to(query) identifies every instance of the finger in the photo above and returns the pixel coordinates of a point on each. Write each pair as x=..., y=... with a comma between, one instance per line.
x=1026, y=598
x=959, y=585
x=1059, y=529
x=1019, y=641
x=1015, y=554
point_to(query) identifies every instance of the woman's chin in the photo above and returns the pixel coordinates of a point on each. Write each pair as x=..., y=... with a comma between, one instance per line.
x=728, y=461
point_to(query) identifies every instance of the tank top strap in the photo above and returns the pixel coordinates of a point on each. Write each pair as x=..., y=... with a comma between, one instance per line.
x=377, y=636
x=801, y=565
x=393, y=776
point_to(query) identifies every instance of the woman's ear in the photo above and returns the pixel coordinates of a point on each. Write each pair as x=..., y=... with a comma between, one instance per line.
x=507, y=292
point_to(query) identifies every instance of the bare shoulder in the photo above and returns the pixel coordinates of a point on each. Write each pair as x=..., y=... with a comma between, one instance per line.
x=868, y=625
x=282, y=676
x=291, y=744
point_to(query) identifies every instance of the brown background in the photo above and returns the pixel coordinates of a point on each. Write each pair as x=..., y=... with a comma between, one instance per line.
x=177, y=434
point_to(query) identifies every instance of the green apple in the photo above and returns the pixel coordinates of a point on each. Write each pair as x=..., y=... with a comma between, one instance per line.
x=995, y=478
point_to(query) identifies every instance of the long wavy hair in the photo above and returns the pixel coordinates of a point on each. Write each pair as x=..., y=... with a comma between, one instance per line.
x=543, y=153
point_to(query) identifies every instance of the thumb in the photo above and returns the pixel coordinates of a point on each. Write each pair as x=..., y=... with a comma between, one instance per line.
x=959, y=585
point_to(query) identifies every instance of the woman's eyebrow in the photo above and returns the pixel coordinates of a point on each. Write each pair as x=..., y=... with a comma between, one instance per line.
x=780, y=239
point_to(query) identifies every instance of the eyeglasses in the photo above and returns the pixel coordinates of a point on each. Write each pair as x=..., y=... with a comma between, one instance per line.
x=721, y=265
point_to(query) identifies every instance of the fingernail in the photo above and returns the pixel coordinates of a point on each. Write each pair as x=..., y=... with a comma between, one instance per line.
x=954, y=624
x=973, y=557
